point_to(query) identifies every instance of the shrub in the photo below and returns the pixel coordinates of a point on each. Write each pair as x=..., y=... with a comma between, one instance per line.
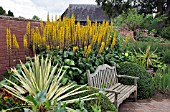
x=145, y=82
x=165, y=32
x=166, y=56
x=101, y=101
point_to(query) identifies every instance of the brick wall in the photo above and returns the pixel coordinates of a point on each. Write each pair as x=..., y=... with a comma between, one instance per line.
x=18, y=27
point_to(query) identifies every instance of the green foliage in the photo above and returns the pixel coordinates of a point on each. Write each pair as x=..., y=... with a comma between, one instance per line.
x=144, y=6
x=96, y=108
x=77, y=63
x=40, y=99
x=148, y=59
x=165, y=32
x=10, y=13
x=152, y=23
x=162, y=79
x=160, y=49
x=2, y=11
x=8, y=101
x=166, y=56
x=35, y=17
x=132, y=20
x=41, y=81
x=145, y=82
x=102, y=102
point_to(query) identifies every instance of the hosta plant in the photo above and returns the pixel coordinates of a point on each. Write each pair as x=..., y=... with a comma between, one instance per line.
x=40, y=76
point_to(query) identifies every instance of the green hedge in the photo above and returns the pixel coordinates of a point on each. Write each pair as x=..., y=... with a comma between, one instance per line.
x=145, y=82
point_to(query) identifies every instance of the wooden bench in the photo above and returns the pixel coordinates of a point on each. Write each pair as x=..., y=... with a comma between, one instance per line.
x=106, y=76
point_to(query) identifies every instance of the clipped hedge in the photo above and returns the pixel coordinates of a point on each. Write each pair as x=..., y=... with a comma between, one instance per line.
x=102, y=100
x=145, y=82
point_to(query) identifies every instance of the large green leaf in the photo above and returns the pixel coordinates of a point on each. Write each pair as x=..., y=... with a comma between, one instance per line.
x=69, y=62
x=41, y=97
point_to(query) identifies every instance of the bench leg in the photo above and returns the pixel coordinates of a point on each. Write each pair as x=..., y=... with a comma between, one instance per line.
x=135, y=95
x=116, y=101
x=116, y=105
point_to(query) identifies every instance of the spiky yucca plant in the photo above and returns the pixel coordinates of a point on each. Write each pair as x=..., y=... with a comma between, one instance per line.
x=148, y=58
x=39, y=77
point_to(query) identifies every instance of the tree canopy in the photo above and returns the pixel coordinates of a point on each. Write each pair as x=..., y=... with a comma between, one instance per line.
x=3, y=12
x=10, y=13
x=35, y=17
x=116, y=7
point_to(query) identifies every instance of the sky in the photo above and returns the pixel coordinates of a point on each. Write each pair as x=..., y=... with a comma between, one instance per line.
x=40, y=8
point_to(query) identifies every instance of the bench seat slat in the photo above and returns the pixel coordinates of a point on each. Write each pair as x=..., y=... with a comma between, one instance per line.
x=110, y=95
x=125, y=91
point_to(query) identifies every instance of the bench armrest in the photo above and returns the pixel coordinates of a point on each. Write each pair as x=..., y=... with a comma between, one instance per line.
x=126, y=76
x=130, y=77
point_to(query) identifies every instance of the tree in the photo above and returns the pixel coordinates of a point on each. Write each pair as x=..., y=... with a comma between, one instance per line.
x=2, y=11
x=116, y=7
x=35, y=17
x=10, y=13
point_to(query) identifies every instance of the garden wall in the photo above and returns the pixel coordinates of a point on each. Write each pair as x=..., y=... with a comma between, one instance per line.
x=18, y=27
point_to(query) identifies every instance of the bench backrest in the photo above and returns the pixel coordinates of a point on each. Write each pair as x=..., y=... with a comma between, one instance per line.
x=104, y=75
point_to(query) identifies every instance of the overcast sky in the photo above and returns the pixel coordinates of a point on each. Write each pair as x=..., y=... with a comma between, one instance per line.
x=29, y=8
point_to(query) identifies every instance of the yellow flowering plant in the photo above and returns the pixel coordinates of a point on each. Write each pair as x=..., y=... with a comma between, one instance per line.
x=64, y=32
x=11, y=42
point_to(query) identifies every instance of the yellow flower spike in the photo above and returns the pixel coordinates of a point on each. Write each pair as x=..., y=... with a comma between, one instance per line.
x=25, y=41
x=28, y=28
x=33, y=47
x=127, y=39
x=43, y=40
x=15, y=43
x=88, y=50
x=75, y=48
x=57, y=47
x=47, y=47
x=113, y=41
x=32, y=35
x=8, y=38
x=108, y=40
x=101, y=48
x=64, y=32
x=85, y=49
